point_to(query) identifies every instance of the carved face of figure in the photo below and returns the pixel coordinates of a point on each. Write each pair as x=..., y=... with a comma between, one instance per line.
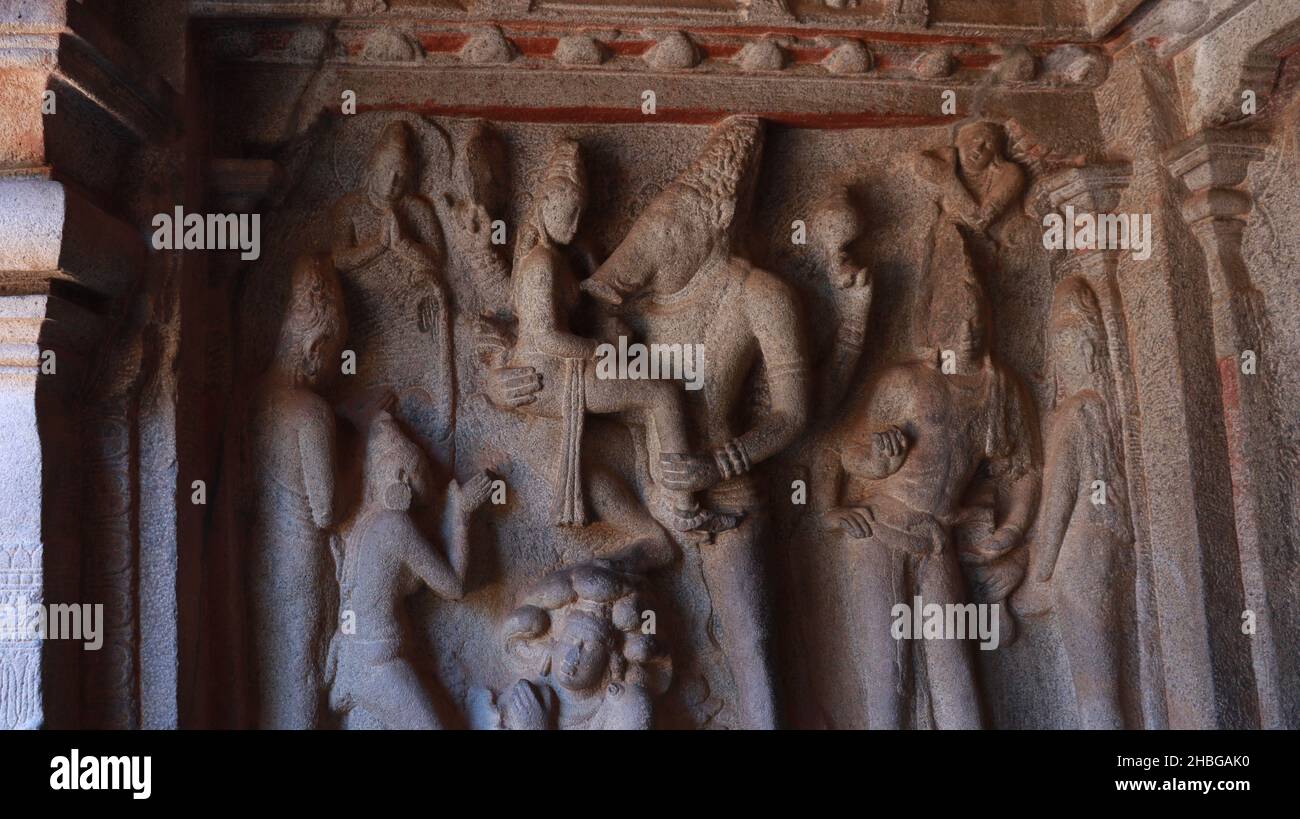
x=958, y=321
x=391, y=171
x=977, y=145
x=409, y=478
x=1078, y=338
x=580, y=654
x=678, y=246
x=397, y=472
x=562, y=205
x=837, y=224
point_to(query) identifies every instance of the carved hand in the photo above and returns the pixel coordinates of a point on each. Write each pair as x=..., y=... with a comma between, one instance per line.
x=1032, y=598
x=689, y=473
x=601, y=291
x=847, y=275
x=474, y=492
x=974, y=218
x=889, y=448
x=522, y=710
x=994, y=546
x=412, y=250
x=512, y=387
x=349, y=256
x=392, y=231
x=857, y=521
x=473, y=217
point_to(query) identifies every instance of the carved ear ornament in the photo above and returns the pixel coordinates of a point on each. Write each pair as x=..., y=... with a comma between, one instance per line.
x=397, y=496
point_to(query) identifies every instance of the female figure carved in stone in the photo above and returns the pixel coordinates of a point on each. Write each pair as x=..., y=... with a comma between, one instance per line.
x=973, y=179
x=1085, y=536
x=544, y=293
x=387, y=560
x=837, y=224
x=293, y=461
x=590, y=663
x=389, y=243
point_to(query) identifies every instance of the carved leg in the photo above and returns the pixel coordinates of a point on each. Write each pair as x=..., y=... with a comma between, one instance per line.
x=735, y=572
x=954, y=696
x=393, y=694
x=289, y=680
x=1087, y=616
x=661, y=401
x=1089, y=644
x=645, y=546
x=879, y=582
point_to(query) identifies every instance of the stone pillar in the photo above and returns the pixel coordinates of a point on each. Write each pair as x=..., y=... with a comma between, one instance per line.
x=1212, y=164
x=223, y=661
x=1196, y=573
x=39, y=558
x=76, y=105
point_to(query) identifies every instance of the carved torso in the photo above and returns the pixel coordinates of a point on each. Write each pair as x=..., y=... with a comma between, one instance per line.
x=953, y=423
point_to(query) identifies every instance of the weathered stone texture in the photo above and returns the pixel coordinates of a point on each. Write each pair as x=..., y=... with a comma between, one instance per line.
x=379, y=473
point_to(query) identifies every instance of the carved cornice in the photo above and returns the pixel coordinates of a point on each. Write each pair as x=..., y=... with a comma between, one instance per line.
x=699, y=50
x=1242, y=52
x=1008, y=22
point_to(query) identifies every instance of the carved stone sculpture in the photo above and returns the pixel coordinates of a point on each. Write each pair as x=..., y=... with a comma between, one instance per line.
x=584, y=637
x=681, y=257
x=974, y=181
x=482, y=186
x=293, y=463
x=825, y=206
x=930, y=427
x=388, y=559
x=389, y=245
x=545, y=292
x=1081, y=566
x=836, y=224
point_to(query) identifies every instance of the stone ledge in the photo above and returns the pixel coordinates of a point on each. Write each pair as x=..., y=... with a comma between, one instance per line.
x=50, y=233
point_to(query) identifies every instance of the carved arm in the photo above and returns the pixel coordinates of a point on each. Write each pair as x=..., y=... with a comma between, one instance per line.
x=1061, y=494
x=316, y=454
x=349, y=254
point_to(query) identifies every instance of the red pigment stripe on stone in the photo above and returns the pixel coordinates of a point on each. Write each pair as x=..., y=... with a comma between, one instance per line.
x=673, y=116
x=809, y=55
x=905, y=38
x=720, y=51
x=443, y=43
x=976, y=60
x=535, y=46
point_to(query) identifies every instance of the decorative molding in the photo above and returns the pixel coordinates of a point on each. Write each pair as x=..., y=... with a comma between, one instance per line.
x=713, y=51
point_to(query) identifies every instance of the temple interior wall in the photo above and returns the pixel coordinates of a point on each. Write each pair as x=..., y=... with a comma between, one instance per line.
x=235, y=108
